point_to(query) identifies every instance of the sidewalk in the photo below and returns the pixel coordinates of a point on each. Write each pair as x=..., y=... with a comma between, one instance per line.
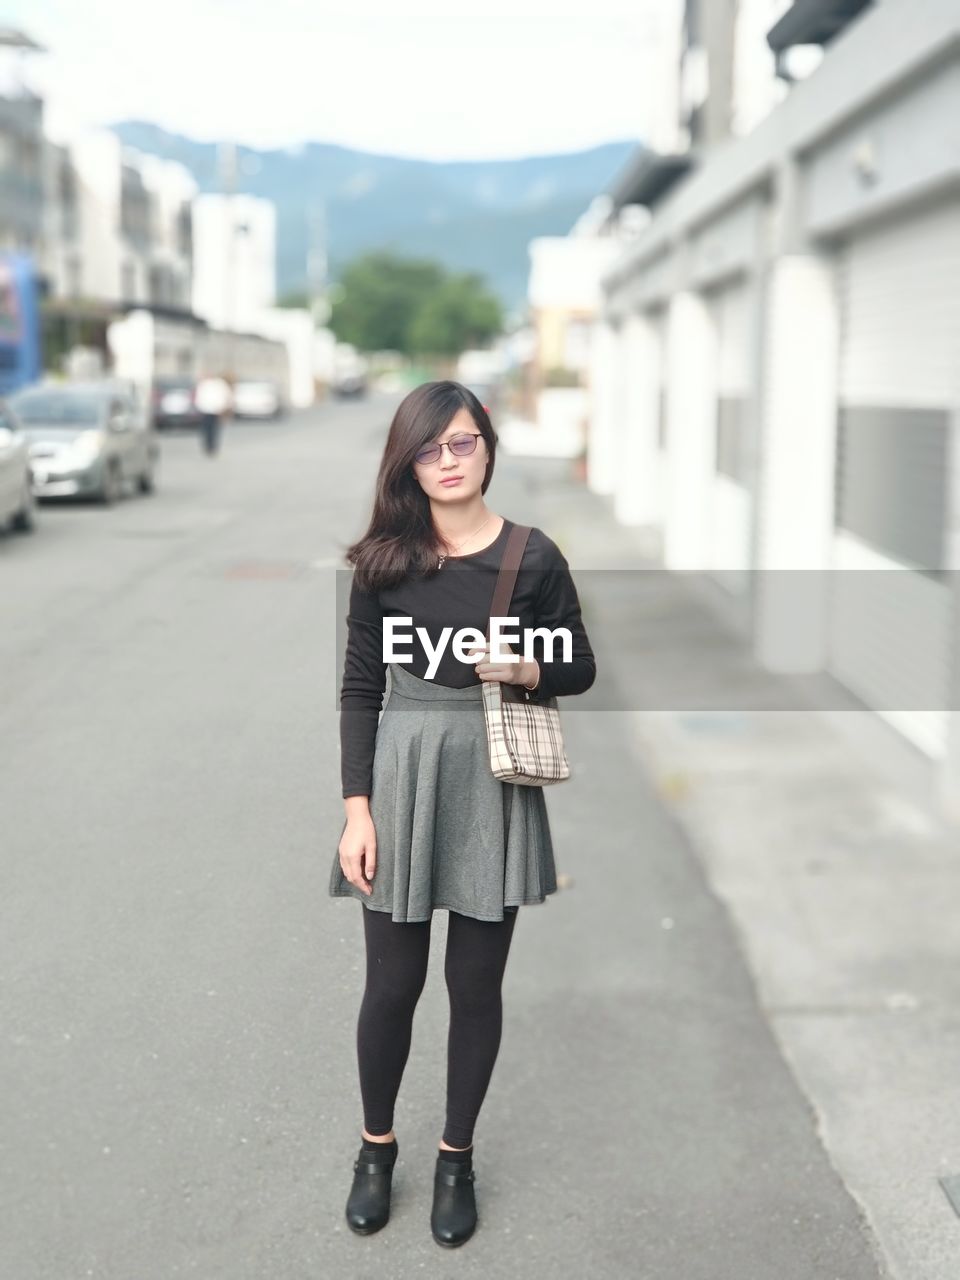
x=843, y=886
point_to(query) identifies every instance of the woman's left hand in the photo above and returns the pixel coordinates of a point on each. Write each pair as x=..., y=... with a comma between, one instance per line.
x=515, y=672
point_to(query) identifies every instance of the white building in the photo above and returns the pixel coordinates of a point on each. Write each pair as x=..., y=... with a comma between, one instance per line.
x=113, y=233
x=61, y=252
x=564, y=294
x=234, y=243
x=234, y=283
x=134, y=224
x=565, y=298
x=294, y=327
x=171, y=189
x=729, y=76
x=21, y=147
x=777, y=371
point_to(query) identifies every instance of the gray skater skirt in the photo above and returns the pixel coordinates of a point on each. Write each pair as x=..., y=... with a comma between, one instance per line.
x=449, y=834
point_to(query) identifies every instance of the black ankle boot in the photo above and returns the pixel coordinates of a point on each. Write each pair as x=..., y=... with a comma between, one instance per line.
x=368, y=1205
x=453, y=1217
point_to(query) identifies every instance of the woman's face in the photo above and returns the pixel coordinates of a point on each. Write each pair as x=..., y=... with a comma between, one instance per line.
x=464, y=473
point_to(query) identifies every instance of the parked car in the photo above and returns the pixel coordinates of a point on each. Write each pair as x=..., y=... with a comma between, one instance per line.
x=350, y=385
x=173, y=403
x=350, y=371
x=490, y=394
x=17, y=507
x=87, y=439
x=257, y=400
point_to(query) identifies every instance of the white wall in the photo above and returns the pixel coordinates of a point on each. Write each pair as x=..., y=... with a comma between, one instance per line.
x=565, y=271
x=234, y=247
x=871, y=133
x=172, y=188
x=97, y=160
x=294, y=328
x=756, y=88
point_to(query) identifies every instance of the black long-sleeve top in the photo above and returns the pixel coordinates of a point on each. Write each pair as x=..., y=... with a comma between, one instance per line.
x=458, y=595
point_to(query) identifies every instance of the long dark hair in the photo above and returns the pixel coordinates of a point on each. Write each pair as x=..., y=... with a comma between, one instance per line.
x=401, y=539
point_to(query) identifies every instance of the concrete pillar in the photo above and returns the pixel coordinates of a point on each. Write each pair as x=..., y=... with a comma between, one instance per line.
x=691, y=380
x=795, y=520
x=618, y=397
x=948, y=772
x=637, y=486
x=601, y=436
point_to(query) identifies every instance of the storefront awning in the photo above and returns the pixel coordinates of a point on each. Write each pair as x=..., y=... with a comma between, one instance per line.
x=648, y=177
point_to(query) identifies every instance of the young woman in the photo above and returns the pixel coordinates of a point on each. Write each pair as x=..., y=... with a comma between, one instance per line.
x=428, y=825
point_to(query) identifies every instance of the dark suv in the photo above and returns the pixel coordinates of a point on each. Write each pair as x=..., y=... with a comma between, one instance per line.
x=172, y=403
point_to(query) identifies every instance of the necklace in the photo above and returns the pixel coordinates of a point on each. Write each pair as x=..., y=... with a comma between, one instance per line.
x=457, y=546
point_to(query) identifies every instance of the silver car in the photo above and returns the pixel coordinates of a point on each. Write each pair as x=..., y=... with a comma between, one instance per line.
x=16, y=488
x=257, y=400
x=87, y=439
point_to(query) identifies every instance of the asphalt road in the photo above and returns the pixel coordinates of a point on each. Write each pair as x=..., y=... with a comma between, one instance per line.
x=179, y=994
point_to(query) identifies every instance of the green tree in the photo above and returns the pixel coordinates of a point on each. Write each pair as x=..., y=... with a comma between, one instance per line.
x=411, y=305
x=377, y=297
x=457, y=315
x=296, y=298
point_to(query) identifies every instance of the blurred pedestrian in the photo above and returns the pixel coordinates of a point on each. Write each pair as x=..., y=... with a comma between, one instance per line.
x=428, y=824
x=214, y=399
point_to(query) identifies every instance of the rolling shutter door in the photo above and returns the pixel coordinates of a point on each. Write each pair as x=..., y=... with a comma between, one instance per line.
x=890, y=618
x=657, y=319
x=730, y=499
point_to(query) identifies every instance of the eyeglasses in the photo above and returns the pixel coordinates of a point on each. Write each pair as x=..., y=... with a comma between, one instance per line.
x=462, y=446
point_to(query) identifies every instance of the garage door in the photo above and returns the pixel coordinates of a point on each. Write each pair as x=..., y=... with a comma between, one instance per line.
x=890, y=620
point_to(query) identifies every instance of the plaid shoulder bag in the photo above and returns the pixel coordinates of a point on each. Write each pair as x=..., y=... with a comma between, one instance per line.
x=524, y=738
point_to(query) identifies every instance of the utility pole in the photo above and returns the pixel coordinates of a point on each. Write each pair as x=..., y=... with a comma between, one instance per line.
x=227, y=168
x=317, y=263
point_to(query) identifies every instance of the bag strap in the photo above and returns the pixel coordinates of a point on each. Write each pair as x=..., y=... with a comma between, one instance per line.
x=509, y=568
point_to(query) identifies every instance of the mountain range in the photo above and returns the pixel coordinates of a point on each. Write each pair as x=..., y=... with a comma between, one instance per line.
x=469, y=215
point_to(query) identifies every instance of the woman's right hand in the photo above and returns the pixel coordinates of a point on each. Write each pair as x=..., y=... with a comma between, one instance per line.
x=358, y=851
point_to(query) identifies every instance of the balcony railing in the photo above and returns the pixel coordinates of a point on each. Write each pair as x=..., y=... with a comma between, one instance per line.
x=813, y=22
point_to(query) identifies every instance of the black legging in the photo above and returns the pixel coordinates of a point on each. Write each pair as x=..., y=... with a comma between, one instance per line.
x=474, y=965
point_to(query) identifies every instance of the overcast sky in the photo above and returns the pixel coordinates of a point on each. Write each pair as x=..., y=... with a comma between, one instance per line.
x=441, y=81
